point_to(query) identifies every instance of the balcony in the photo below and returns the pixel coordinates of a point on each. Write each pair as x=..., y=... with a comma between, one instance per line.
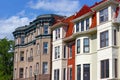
x=30, y=59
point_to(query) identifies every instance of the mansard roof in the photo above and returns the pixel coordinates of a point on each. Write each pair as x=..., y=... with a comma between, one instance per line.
x=85, y=9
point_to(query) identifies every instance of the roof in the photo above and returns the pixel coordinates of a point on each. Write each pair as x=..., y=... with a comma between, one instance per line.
x=85, y=9
x=70, y=26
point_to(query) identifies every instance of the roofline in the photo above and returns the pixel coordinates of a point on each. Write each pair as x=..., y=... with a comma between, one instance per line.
x=104, y=3
x=83, y=16
x=58, y=25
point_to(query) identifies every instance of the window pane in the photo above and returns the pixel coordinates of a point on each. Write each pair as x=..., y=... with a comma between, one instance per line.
x=64, y=51
x=86, y=72
x=77, y=27
x=45, y=67
x=46, y=29
x=104, y=39
x=105, y=68
x=78, y=46
x=103, y=15
x=82, y=25
x=86, y=45
x=21, y=72
x=87, y=24
x=22, y=39
x=45, y=47
x=78, y=72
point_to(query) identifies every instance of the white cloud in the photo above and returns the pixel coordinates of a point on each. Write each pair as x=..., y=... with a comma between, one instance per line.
x=64, y=7
x=7, y=26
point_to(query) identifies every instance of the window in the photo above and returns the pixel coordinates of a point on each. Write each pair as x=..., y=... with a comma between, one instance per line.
x=78, y=46
x=21, y=72
x=26, y=55
x=22, y=39
x=115, y=37
x=104, y=39
x=31, y=52
x=45, y=47
x=105, y=68
x=70, y=73
x=38, y=31
x=103, y=15
x=56, y=74
x=46, y=29
x=86, y=45
x=15, y=57
x=87, y=23
x=38, y=48
x=64, y=51
x=57, y=52
x=45, y=67
x=77, y=27
x=26, y=72
x=78, y=72
x=64, y=73
x=82, y=25
x=116, y=68
x=70, y=51
x=57, y=35
x=30, y=71
x=86, y=71
x=22, y=56
x=15, y=73
x=32, y=35
x=37, y=68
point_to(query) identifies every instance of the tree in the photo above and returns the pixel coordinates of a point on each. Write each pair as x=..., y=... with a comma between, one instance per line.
x=6, y=59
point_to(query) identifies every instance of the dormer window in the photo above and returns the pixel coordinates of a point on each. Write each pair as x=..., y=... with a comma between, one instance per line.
x=87, y=24
x=57, y=33
x=77, y=27
x=82, y=25
x=103, y=15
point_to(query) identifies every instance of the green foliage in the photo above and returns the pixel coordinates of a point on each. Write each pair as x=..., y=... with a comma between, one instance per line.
x=6, y=59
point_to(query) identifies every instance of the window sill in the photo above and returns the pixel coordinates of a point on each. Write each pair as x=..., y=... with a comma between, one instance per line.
x=85, y=53
x=107, y=47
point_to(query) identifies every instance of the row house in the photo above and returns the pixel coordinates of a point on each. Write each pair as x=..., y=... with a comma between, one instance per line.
x=86, y=45
x=32, y=57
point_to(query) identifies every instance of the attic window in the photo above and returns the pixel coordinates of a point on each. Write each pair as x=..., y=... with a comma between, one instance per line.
x=103, y=15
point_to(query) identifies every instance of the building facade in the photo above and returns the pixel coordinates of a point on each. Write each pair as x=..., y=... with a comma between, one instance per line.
x=91, y=39
x=32, y=57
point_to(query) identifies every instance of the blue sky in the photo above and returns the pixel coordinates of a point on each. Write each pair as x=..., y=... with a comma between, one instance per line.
x=15, y=13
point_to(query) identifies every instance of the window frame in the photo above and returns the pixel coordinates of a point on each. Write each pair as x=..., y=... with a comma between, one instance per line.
x=87, y=23
x=82, y=25
x=78, y=46
x=45, y=47
x=79, y=72
x=86, y=70
x=21, y=72
x=104, y=39
x=21, y=55
x=86, y=45
x=45, y=29
x=77, y=27
x=103, y=15
x=56, y=74
x=57, y=52
x=45, y=68
x=104, y=71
